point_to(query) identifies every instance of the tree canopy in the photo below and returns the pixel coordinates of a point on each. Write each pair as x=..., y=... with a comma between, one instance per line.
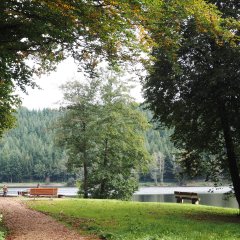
x=35, y=35
x=45, y=32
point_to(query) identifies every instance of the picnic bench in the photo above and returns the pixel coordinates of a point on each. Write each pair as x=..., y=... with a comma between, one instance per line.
x=43, y=192
x=180, y=196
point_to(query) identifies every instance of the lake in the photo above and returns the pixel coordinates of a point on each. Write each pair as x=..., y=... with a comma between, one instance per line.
x=208, y=195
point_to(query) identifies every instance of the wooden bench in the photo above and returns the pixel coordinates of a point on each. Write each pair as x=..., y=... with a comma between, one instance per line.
x=180, y=196
x=43, y=192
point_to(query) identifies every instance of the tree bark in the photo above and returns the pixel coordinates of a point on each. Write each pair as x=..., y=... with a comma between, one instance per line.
x=161, y=166
x=85, y=168
x=231, y=155
x=85, y=178
x=103, y=181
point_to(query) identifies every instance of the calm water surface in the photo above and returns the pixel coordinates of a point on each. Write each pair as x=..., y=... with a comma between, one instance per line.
x=209, y=196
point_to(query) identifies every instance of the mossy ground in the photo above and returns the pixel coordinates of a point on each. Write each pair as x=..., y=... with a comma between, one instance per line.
x=121, y=220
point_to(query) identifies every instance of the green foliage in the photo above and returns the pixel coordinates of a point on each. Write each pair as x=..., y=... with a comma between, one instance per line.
x=164, y=20
x=8, y=103
x=50, y=31
x=102, y=131
x=27, y=152
x=119, y=220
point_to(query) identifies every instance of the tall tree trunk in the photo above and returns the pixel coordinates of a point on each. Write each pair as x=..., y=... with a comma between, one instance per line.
x=47, y=179
x=85, y=168
x=161, y=166
x=85, y=179
x=103, y=181
x=231, y=156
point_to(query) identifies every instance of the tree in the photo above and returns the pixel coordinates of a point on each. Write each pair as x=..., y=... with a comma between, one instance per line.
x=102, y=132
x=75, y=129
x=121, y=143
x=196, y=91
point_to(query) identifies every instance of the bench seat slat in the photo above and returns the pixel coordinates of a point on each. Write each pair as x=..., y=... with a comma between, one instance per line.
x=187, y=197
x=43, y=191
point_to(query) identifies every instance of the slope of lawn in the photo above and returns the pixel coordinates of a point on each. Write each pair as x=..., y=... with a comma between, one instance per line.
x=143, y=221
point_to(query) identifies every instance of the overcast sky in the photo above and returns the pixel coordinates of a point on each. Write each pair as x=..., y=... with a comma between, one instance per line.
x=50, y=96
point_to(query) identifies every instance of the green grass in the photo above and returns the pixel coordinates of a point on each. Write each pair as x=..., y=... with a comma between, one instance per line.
x=143, y=221
x=3, y=229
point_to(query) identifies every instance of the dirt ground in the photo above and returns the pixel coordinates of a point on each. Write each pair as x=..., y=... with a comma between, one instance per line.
x=26, y=224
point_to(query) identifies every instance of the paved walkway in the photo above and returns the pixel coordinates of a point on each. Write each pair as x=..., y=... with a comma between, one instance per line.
x=26, y=224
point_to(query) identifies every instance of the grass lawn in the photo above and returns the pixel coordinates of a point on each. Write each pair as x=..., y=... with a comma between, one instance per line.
x=143, y=221
x=3, y=230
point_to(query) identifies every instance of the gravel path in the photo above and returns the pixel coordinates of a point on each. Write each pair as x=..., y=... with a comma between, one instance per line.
x=26, y=224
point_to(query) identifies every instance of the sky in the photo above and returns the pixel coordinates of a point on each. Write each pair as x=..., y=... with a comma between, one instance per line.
x=50, y=95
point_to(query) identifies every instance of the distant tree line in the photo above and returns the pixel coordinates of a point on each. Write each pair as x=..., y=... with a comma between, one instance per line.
x=28, y=152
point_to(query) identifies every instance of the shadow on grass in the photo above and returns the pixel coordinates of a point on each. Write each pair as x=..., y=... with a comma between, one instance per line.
x=214, y=217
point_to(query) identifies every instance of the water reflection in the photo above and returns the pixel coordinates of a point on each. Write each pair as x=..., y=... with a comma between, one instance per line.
x=211, y=199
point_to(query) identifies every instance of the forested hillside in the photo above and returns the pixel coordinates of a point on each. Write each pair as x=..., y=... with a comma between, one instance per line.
x=28, y=153
x=163, y=167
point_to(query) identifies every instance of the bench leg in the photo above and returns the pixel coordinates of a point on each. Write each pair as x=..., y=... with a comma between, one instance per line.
x=195, y=201
x=179, y=200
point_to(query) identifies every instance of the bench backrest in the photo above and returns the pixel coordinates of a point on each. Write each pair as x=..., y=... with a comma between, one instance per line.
x=185, y=194
x=43, y=191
